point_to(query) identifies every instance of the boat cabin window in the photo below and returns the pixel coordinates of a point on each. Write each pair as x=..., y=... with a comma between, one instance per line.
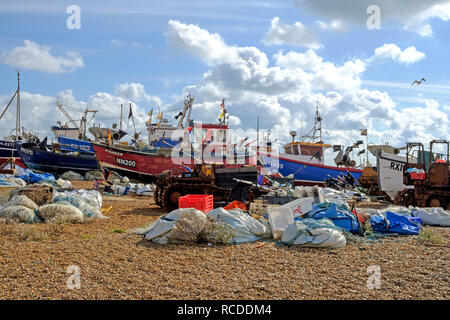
x=295, y=150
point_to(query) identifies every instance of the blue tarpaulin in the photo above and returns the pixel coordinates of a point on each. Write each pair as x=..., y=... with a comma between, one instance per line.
x=339, y=214
x=395, y=223
x=32, y=177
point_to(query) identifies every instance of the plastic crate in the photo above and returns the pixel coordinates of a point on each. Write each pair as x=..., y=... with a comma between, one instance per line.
x=418, y=176
x=203, y=202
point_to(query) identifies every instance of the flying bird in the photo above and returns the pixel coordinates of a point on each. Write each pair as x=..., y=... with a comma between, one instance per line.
x=418, y=82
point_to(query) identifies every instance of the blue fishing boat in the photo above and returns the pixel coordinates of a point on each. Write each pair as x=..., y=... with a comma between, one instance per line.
x=303, y=171
x=304, y=159
x=8, y=150
x=39, y=156
x=75, y=145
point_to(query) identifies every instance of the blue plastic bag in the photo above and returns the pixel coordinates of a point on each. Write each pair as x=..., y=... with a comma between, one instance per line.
x=340, y=216
x=395, y=223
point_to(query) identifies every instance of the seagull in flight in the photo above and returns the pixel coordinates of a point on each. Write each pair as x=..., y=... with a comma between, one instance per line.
x=418, y=82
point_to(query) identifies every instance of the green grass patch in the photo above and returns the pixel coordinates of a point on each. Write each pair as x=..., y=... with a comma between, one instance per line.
x=88, y=236
x=29, y=233
x=428, y=235
x=117, y=230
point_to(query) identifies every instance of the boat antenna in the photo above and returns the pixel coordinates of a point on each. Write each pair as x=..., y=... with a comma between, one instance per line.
x=121, y=110
x=257, y=135
x=301, y=125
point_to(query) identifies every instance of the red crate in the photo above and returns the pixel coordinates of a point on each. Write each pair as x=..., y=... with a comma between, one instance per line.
x=418, y=176
x=203, y=202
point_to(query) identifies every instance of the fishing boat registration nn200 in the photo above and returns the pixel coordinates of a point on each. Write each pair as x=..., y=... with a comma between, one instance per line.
x=125, y=162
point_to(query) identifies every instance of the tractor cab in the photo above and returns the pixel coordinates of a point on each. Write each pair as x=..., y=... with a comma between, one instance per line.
x=430, y=167
x=429, y=176
x=438, y=168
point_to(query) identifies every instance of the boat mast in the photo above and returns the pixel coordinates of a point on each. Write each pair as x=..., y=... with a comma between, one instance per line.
x=9, y=103
x=316, y=131
x=84, y=119
x=132, y=118
x=187, y=105
x=319, y=121
x=18, y=107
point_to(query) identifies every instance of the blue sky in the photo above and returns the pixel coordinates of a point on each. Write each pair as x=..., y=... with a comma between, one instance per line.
x=127, y=42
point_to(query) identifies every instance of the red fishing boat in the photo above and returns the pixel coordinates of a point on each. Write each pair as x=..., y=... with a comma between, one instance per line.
x=175, y=148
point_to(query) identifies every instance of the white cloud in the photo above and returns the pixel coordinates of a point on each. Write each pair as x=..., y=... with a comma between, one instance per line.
x=199, y=42
x=323, y=75
x=116, y=42
x=411, y=15
x=297, y=35
x=45, y=113
x=284, y=90
x=418, y=23
x=136, y=93
x=33, y=56
x=333, y=25
x=391, y=51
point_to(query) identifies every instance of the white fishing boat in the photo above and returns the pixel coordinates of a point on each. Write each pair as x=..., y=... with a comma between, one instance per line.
x=390, y=165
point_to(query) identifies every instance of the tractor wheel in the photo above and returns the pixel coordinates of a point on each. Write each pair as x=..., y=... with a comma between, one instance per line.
x=405, y=198
x=434, y=202
x=170, y=198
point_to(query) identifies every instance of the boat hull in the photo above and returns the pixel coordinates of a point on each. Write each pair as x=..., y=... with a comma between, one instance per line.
x=48, y=161
x=390, y=173
x=7, y=151
x=141, y=165
x=303, y=171
x=144, y=165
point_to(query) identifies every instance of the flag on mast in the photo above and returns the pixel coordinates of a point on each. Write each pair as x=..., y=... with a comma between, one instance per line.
x=222, y=110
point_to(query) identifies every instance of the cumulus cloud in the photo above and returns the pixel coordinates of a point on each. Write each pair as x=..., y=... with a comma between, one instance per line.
x=284, y=91
x=412, y=15
x=323, y=75
x=33, y=56
x=333, y=25
x=391, y=51
x=297, y=35
x=116, y=42
x=136, y=92
x=209, y=47
x=45, y=113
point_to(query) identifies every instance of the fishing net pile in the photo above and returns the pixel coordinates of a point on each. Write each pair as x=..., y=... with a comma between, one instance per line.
x=123, y=186
x=34, y=205
x=219, y=226
x=39, y=194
